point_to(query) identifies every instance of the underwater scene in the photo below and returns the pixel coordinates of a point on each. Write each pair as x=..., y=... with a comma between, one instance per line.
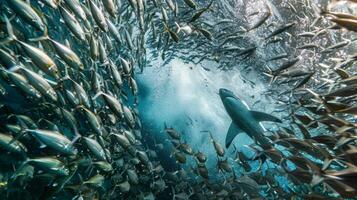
x=178, y=99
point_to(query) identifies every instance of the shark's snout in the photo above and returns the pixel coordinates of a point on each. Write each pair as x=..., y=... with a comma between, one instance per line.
x=224, y=93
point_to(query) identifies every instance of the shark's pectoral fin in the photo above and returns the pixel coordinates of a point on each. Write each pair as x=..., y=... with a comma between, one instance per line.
x=233, y=131
x=260, y=116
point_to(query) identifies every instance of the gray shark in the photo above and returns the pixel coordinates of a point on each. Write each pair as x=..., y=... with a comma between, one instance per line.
x=245, y=120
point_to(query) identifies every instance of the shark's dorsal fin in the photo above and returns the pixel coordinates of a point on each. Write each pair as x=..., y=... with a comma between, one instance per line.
x=233, y=131
x=260, y=116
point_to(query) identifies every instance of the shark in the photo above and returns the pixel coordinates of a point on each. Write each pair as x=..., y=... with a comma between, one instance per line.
x=245, y=120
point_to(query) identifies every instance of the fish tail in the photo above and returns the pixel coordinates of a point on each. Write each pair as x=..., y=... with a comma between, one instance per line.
x=10, y=31
x=324, y=50
x=316, y=179
x=41, y=38
x=23, y=164
x=66, y=77
x=210, y=134
x=270, y=74
x=166, y=28
x=75, y=139
x=178, y=27
x=327, y=162
x=98, y=94
x=23, y=131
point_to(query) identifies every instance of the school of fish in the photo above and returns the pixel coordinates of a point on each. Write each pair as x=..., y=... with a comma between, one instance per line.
x=70, y=127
